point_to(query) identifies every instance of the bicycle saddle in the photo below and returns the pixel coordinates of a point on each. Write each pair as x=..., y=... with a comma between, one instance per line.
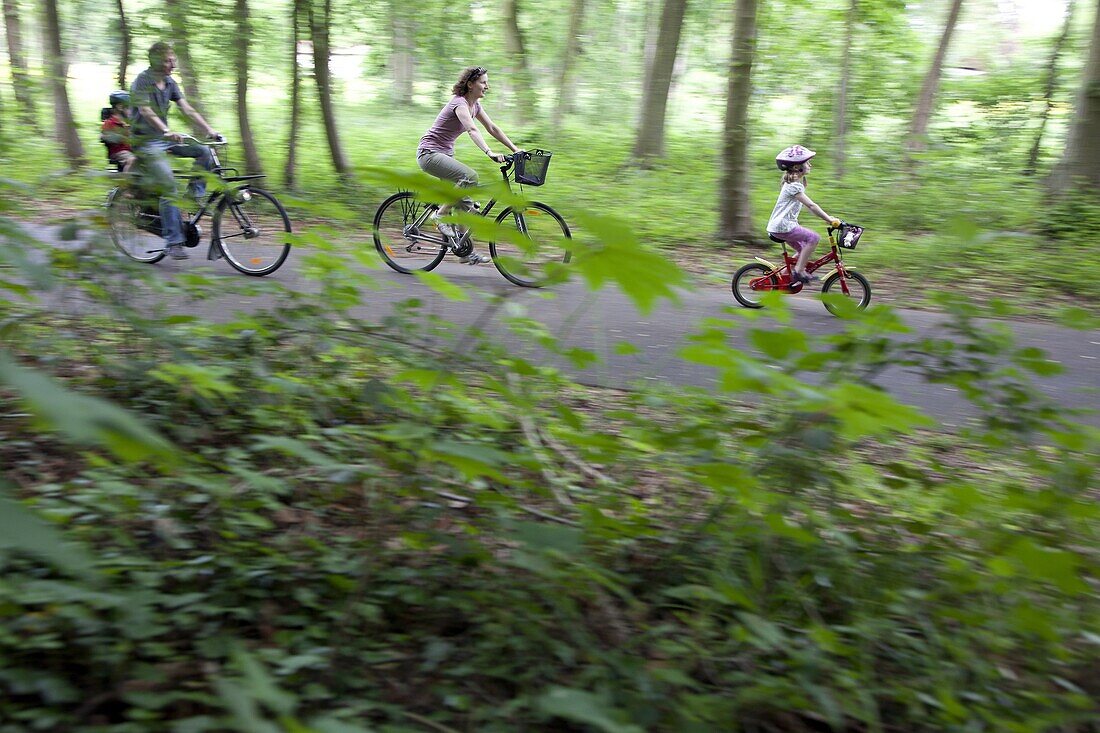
x=775, y=238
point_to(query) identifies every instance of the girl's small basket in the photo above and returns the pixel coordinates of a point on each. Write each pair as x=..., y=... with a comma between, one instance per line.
x=531, y=168
x=849, y=235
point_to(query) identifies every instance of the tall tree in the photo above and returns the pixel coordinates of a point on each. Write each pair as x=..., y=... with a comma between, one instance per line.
x=650, y=142
x=1082, y=154
x=841, y=131
x=735, y=220
x=20, y=77
x=124, y=51
x=568, y=63
x=177, y=21
x=64, y=124
x=402, y=52
x=290, y=172
x=519, y=71
x=319, y=32
x=927, y=100
x=1048, y=90
x=244, y=33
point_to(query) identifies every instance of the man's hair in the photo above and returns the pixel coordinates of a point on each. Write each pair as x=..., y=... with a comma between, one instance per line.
x=158, y=51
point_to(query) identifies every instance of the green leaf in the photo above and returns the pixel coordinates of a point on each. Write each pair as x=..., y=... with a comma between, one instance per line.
x=443, y=286
x=22, y=530
x=541, y=536
x=778, y=343
x=584, y=707
x=643, y=275
x=85, y=419
x=472, y=460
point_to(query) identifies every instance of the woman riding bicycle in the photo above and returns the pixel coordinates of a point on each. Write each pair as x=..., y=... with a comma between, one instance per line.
x=435, y=154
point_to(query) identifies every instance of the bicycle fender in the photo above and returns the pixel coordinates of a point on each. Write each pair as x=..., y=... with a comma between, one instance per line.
x=765, y=262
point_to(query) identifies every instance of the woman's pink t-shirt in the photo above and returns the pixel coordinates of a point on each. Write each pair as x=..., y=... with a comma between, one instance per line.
x=441, y=136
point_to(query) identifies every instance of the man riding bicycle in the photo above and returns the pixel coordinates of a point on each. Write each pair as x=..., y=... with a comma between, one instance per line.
x=151, y=94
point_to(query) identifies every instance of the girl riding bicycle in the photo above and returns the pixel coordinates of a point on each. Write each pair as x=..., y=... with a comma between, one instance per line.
x=783, y=224
x=435, y=154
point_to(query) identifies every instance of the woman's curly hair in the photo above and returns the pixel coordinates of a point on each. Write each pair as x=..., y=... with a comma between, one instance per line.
x=472, y=73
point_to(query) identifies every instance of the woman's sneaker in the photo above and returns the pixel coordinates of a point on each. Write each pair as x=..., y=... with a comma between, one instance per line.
x=475, y=259
x=447, y=230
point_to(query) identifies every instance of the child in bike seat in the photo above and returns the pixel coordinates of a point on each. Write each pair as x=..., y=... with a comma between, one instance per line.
x=783, y=224
x=115, y=133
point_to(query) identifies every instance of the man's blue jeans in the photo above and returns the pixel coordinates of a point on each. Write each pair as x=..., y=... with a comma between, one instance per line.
x=157, y=177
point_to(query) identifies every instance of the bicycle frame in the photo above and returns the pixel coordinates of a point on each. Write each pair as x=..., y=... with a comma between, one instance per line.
x=781, y=274
x=213, y=198
x=430, y=209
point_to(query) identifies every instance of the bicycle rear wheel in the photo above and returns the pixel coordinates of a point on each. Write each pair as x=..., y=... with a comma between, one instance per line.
x=536, y=252
x=405, y=236
x=859, y=290
x=742, y=284
x=251, y=227
x=134, y=228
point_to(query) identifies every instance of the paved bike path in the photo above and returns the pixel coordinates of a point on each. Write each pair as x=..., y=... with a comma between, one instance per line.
x=599, y=321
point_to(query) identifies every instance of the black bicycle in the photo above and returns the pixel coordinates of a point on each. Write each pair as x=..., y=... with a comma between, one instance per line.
x=249, y=226
x=408, y=241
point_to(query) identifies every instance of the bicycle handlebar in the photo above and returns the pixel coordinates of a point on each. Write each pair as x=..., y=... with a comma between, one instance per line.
x=510, y=160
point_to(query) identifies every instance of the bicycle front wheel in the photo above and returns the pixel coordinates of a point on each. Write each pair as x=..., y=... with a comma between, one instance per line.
x=251, y=227
x=535, y=253
x=134, y=227
x=405, y=236
x=742, y=284
x=854, y=285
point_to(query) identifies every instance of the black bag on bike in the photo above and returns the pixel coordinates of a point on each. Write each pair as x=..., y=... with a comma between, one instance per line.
x=531, y=168
x=849, y=235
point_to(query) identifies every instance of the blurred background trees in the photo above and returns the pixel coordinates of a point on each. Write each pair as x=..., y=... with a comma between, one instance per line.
x=863, y=81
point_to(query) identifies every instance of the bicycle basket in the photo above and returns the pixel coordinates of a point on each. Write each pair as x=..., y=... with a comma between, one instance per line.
x=849, y=235
x=531, y=168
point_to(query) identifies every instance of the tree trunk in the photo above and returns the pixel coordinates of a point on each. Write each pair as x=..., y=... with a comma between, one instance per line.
x=735, y=220
x=64, y=125
x=124, y=51
x=650, y=142
x=244, y=32
x=402, y=55
x=840, y=148
x=290, y=172
x=572, y=50
x=21, y=81
x=318, y=27
x=177, y=20
x=649, y=37
x=519, y=72
x=927, y=100
x=1082, y=155
x=1048, y=90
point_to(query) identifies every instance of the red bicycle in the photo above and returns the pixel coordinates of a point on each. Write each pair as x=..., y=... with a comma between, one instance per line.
x=757, y=278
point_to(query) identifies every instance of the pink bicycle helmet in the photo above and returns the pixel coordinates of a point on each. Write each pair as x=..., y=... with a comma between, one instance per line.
x=793, y=156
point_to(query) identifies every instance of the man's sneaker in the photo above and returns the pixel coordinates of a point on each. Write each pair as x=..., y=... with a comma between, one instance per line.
x=177, y=252
x=475, y=259
x=447, y=230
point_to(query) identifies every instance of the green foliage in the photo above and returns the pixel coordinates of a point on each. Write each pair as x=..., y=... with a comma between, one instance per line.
x=386, y=525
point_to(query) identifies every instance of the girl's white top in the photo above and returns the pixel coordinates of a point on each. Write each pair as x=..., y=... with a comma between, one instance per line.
x=785, y=214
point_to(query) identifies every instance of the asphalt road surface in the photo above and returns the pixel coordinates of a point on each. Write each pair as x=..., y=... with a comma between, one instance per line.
x=599, y=321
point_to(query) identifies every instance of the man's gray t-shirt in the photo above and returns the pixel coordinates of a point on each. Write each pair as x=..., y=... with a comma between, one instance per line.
x=144, y=93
